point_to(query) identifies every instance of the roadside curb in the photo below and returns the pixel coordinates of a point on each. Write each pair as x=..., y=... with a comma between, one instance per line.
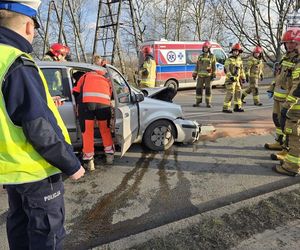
x=164, y=230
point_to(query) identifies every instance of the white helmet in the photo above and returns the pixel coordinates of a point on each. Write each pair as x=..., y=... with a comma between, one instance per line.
x=24, y=7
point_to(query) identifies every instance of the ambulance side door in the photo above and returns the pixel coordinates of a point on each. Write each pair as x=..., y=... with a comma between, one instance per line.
x=126, y=111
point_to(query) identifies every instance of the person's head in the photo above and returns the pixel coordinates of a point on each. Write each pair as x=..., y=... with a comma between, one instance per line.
x=289, y=39
x=257, y=52
x=98, y=60
x=206, y=46
x=58, y=51
x=147, y=51
x=236, y=49
x=20, y=16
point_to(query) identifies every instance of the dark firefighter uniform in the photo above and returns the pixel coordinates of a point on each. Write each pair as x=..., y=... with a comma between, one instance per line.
x=253, y=74
x=35, y=149
x=205, y=71
x=280, y=89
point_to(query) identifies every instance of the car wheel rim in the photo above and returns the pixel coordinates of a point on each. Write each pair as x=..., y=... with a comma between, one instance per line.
x=161, y=136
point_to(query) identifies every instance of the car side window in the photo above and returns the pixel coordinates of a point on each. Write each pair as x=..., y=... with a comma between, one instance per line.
x=220, y=55
x=121, y=87
x=55, y=81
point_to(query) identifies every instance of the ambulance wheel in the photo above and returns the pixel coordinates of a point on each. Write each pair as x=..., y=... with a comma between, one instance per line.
x=172, y=84
x=159, y=136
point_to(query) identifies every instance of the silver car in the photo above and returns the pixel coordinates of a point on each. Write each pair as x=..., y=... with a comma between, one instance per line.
x=139, y=115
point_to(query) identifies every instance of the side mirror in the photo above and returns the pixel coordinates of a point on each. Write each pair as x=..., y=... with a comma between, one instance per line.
x=138, y=97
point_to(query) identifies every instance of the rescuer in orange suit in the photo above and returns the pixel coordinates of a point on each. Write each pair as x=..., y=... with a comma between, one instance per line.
x=93, y=93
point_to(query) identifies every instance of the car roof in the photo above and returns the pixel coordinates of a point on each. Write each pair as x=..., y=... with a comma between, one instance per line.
x=70, y=64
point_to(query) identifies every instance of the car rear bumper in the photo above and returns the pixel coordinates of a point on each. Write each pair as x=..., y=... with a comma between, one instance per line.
x=187, y=131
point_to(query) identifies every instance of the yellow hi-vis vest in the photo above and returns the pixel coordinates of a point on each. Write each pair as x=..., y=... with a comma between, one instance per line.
x=148, y=79
x=19, y=161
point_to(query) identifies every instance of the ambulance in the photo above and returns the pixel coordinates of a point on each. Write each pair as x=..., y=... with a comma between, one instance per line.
x=176, y=62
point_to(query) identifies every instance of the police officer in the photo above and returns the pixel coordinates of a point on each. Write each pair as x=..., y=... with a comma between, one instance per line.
x=254, y=73
x=280, y=88
x=35, y=143
x=234, y=76
x=93, y=93
x=148, y=69
x=290, y=116
x=204, y=72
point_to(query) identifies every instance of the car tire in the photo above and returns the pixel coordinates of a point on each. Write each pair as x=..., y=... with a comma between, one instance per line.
x=159, y=136
x=172, y=84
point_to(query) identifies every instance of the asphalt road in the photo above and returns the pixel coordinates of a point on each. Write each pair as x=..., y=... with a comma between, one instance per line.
x=144, y=190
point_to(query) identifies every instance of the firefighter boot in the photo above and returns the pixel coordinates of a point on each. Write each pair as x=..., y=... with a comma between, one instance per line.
x=258, y=104
x=280, y=155
x=228, y=111
x=273, y=146
x=237, y=109
x=280, y=169
x=89, y=164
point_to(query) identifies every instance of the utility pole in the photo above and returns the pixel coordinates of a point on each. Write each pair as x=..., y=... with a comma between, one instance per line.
x=97, y=29
x=132, y=12
x=61, y=21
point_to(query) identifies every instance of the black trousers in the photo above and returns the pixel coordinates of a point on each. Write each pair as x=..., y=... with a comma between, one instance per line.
x=36, y=214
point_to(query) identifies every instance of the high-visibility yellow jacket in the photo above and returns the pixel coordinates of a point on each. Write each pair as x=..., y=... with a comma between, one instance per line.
x=234, y=69
x=283, y=78
x=255, y=68
x=148, y=73
x=19, y=161
x=206, y=65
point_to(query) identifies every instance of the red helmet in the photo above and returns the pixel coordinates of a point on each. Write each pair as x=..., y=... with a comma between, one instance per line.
x=147, y=50
x=258, y=50
x=238, y=47
x=58, y=49
x=206, y=44
x=291, y=35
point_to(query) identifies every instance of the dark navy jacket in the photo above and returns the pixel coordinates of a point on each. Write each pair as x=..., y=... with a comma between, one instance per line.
x=25, y=100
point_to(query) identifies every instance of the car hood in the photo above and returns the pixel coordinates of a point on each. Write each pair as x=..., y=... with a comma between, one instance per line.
x=173, y=110
x=163, y=93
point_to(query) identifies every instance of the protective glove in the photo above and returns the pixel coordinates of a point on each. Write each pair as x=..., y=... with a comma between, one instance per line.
x=261, y=77
x=232, y=79
x=194, y=76
x=243, y=81
x=270, y=94
x=212, y=77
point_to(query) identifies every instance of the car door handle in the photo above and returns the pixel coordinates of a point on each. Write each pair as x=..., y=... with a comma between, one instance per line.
x=126, y=115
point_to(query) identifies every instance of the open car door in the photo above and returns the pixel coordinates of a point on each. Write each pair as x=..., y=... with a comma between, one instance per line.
x=126, y=111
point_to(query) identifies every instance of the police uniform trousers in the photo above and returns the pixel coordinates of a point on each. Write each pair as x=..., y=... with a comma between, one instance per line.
x=87, y=117
x=253, y=88
x=203, y=82
x=36, y=214
x=233, y=90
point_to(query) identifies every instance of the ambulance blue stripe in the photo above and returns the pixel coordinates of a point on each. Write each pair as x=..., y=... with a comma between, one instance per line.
x=174, y=68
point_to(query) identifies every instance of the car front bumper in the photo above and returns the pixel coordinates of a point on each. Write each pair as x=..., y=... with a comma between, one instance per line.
x=187, y=131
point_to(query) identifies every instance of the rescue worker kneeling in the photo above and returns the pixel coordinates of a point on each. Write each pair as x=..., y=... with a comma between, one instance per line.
x=93, y=92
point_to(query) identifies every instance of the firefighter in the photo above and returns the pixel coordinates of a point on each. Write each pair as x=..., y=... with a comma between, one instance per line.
x=235, y=75
x=93, y=93
x=204, y=72
x=290, y=116
x=98, y=60
x=253, y=74
x=280, y=88
x=35, y=145
x=148, y=69
x=57, y=52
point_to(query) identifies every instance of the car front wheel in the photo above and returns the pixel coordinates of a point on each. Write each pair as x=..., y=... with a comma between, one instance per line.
x=159, y=136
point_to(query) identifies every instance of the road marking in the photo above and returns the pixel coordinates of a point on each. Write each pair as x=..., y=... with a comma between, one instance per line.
x=218, y=113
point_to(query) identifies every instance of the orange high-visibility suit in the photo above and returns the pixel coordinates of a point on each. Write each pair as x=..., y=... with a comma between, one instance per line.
x=94, y=103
